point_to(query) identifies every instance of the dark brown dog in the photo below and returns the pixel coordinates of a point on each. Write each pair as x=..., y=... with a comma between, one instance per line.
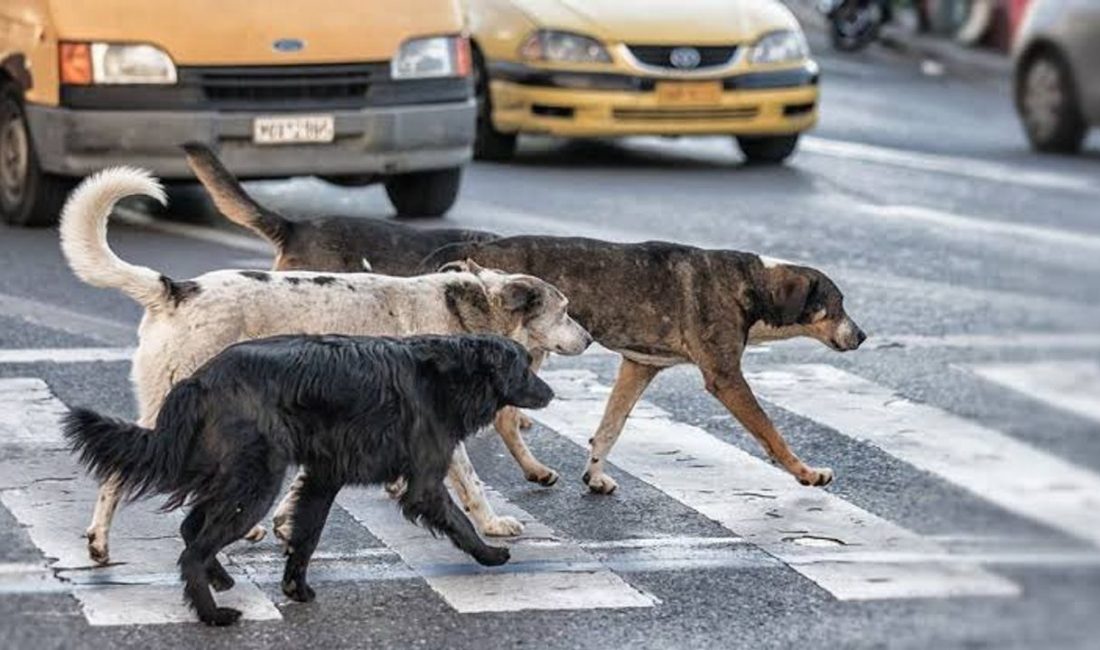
x=657, y=304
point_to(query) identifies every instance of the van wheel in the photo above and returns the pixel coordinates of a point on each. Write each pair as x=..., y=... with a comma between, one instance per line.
x=424, y=194
x=768, y=150
x=489, y=143
x=1048, y=105
x=28, y=197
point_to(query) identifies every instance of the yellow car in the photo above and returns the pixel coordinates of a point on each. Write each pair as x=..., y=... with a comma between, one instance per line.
x=595, y=68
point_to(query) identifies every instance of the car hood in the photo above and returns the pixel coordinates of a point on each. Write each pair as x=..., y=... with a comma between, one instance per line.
x=223, y=32
x=662, y=21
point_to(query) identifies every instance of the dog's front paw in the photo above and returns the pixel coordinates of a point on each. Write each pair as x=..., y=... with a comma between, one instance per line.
x=600, y=483
x=256, y=534
x=299, y=591
x=222, y=616
x=524, y=421
x=97, y=547
x=397, y=488
x=502, y=527
x=819, y=477
x=492, y=556
x=544, y=476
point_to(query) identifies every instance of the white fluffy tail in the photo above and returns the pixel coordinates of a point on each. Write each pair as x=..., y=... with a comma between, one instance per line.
x=84, y=233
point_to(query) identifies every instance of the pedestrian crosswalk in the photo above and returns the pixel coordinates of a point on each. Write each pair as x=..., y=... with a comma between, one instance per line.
x=850, y=552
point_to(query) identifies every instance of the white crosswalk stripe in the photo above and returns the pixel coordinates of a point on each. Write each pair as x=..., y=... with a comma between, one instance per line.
x=849, y=552
x=561, y=575
x=811, y=530
x=1072, y=386
x=1010, y=473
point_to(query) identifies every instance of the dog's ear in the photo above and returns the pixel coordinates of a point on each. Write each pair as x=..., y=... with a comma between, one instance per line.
x=790, y=292
x=522, y=294
x=461, y=266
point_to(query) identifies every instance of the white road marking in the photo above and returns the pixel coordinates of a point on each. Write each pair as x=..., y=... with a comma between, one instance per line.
x=50, y=496
x=1012, y=474
x=562, y=576
x=192, y=231
x=974, y=168
x=64, y=355
x=764, y=504
x=1072, y=386
x=1017, y=340
x=66, y=320
x=1023, y=233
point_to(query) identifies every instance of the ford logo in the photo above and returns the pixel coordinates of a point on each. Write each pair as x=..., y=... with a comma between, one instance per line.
x=288, y=45
x=684, y=58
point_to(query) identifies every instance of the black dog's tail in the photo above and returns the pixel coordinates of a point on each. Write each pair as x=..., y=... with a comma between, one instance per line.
x=145, y=460
x=231, y=199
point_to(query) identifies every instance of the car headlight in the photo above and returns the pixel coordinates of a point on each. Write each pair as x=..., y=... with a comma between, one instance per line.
x=780, y=47
x=563, y=47
x=115, y=63
x=432, y=57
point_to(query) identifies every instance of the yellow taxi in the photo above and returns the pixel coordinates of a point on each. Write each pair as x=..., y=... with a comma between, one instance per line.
x=595, y=68
x=355, y=92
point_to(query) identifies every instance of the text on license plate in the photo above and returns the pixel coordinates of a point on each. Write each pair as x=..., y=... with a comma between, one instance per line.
x=291, y=129
x=689, y=92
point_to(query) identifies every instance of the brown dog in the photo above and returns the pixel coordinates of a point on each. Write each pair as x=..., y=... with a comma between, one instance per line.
x=657, y=304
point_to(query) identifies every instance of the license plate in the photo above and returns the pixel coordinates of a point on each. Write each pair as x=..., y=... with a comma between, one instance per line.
x=689, y=92
x=293, y=129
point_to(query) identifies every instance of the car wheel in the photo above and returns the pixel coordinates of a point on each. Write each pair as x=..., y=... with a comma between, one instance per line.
x=424, y=194
x=767, y=150
x=1048, y=105
x=489, y=144
x=28, y=197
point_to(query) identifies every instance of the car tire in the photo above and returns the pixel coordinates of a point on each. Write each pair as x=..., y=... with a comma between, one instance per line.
x=489, y=143
x=29, y=197
x=767, y=150
x=1048, y=105
x=424, y=194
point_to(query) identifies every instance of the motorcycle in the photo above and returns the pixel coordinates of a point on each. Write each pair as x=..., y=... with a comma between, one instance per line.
x=855, y=23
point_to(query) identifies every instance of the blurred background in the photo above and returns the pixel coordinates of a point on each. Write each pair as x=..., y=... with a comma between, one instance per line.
x=936, y=158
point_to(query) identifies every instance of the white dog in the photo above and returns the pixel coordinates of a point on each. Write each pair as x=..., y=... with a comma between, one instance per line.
x=188, y=322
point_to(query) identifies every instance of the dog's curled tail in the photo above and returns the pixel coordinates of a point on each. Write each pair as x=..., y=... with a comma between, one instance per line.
x=145, y=461
x=84, y=233
x=231, y=199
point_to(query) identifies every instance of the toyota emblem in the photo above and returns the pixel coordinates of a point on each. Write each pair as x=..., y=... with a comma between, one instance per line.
x=684, y=58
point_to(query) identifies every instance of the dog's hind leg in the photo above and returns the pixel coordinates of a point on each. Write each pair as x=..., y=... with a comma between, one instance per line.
x=427, y=502
x=464, y=481
x=219, y=578
x=98, y=530
x=311, y=508
x=632, y=381
x=730, y=387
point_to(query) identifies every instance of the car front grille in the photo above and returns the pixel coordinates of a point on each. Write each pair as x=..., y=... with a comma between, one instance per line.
x=710, y=56
x=331, y=85
x=685, y=114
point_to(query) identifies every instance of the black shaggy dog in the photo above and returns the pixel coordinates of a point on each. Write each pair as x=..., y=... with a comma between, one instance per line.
x=353, y=409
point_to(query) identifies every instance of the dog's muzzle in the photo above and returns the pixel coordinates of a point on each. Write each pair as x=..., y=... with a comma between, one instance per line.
x=848, y=336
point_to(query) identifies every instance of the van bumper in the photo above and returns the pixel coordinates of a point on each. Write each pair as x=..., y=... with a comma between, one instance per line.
x=382, y=141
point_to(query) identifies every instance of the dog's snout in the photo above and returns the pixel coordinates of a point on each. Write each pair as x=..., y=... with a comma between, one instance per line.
x=861, y=336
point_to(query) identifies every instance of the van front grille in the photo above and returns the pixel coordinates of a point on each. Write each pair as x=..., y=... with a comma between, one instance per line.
x=247, y=87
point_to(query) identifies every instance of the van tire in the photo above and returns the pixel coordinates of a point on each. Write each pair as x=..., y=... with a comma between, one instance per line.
x=424, y=194
x=1047, y=101
x=29, y=197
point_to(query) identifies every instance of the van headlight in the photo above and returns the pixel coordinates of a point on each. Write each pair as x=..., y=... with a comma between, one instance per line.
x=563, y=47
x=432, y=57
x=115, y=63
x=780, y=47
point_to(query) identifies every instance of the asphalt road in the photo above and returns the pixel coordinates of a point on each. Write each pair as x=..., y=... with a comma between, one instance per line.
x=965, y=434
